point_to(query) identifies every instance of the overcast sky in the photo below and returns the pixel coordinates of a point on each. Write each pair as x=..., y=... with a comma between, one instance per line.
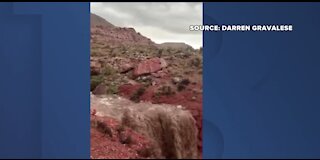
x=161, y=22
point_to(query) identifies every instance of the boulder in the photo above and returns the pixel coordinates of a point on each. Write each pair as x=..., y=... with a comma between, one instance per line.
x=100, y=90
x=159, y=74
x=163, y=62
x=125, y=67
x=149, y=66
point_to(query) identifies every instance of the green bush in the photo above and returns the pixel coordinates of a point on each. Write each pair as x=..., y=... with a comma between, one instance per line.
x=108, y=71
x=112, y=89
x=95, y=81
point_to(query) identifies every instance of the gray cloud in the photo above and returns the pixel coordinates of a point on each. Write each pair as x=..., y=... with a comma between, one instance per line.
x=162, y=22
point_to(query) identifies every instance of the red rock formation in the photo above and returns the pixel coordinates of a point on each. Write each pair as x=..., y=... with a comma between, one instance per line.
x=149, y=66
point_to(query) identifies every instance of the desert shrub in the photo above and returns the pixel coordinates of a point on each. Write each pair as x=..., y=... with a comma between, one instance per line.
x=181, y=87
x=126, y=139
x=112, y=89
x=136, y=96
x=160, y=53
x=104, y=128
x=120, y=129
x=165, y=90
x=95, y=81
x=196, y=62
x=185, y=82
x=108, y=71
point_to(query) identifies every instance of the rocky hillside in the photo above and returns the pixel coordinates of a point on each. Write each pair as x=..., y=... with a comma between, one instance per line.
x=105, y=34
x=128, y=65
x=99, y=21
x=175, y=45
